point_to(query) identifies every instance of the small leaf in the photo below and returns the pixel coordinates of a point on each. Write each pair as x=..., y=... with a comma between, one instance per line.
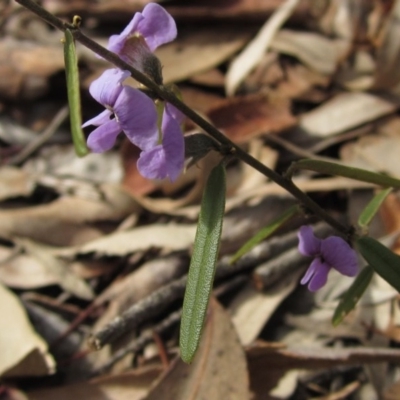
x=326, y=167
x=381, y=259
x=351, y=297
x=203, y=263
x=74, y=98
x=264, y=233
x=372, y=208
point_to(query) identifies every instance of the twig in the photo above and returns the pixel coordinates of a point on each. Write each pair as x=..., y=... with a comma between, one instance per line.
x=159, y=300
x=170, y=97
x=42, y=138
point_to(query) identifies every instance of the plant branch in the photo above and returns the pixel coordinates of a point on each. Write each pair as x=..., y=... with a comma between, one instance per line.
x=170, y=97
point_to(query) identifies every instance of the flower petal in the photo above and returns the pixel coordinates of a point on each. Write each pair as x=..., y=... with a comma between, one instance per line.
x=104, y=137
x=167, y=159
x=152, y=163
x=117, y=42
x=339, y=255
x=309, y=245
x=175, y=113
x=107, y=87
x=157, y=27
x=98, y=120
x=316, y=275
x=137, y=116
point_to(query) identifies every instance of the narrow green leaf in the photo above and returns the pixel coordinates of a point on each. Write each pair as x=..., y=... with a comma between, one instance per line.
x=74, y=98
x=381, y=259
x=326, y=167
x=372, y=208
x=203, y=263
x=264, y=233
x=351, y=297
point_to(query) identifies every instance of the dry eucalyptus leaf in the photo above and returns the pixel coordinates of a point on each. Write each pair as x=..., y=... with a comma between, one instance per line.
x=56, y=224
x=170, y=237
x=251, y=309
x=244, y=117
x=26, y=66
x=242, y=65
x=23, y=352
x=314, y=50
x=387, y=74
x=375, y=153
x=15, y=182
x=218, y=371
x=133, y=385
x=345, y=111
x=70, y=282
x=200, y=49
x=22, y=271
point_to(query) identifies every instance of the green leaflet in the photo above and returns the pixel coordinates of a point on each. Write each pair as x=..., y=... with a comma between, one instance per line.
x=351, y=297
x=372, y=208
x=381, y=259
x=203, y=263
x=264, y=233
x=74, y=98
x=326, y=167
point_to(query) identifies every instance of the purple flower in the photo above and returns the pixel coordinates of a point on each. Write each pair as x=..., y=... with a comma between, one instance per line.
x=167, y=158
x=146, y=31
x=127, y=109
x=332, y=252
x=131, y=111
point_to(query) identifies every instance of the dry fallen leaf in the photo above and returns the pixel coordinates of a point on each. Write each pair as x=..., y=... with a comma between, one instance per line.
x=345, y=111
x=23, y=352
x=245, y=117
x=218, y=371
x=15, y=182
x=170, y=237
x=128, y=386
x=251, y=309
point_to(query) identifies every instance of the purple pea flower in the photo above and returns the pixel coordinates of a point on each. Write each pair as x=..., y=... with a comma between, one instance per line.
x=332, y=252
x=127, y=109
x=167, y=158
x=146, y=31
x=131, y=111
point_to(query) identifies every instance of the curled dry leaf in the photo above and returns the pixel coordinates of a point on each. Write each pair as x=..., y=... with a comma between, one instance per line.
x=23, y=352
x=219, y=368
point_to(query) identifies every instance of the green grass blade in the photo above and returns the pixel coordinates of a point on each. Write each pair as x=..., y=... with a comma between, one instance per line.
x=74, y=98
x=264, y=233
x=372, y=208
x=203, y=263
x=329, y=168
x=351, y=297
x=381, y=259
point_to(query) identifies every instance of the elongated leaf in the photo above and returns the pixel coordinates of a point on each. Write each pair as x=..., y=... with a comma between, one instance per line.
x=203, y=263
x=74, y=98
x=372, y=208
x=351, y=297
x=264, y=233
x=381, y=259
x=326, y=167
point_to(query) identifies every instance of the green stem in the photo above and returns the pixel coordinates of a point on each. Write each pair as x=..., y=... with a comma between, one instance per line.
x=170, y=97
